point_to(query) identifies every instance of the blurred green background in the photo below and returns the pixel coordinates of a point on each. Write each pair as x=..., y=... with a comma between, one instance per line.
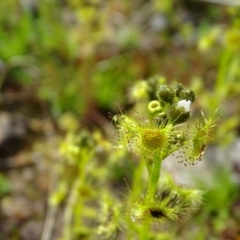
x=64, y=65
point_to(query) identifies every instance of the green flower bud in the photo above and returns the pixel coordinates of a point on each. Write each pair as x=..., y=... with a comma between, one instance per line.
x=178, y=88
x=186, y=94
x=179, y=113
x=154, y=106
x=165, y=94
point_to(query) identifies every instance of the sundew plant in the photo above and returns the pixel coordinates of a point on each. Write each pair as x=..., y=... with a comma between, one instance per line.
x=168, y=129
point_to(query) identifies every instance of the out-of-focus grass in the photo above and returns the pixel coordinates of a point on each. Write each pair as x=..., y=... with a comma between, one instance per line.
x=4, y=186
x=83, y=58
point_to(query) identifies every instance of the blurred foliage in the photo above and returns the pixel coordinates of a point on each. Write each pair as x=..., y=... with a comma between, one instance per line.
x=4, y=186
x=83, y=58
x=68, y=51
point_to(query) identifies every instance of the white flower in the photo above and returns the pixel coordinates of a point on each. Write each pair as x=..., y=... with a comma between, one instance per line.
x=185, y=103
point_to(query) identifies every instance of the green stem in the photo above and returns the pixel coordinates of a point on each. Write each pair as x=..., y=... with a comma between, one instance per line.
x=144, y=232
x=149, y=168
x=154, y=170
x=154, y=177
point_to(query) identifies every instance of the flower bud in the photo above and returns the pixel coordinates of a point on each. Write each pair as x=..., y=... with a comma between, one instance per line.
x=178, y=88
x=179, y=113
x=154, y=106
x=165, y=94
x=186, y=94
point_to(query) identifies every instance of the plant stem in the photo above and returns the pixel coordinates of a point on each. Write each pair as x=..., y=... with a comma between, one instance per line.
x=144, y=232
x=154, y=170
x=154, y=177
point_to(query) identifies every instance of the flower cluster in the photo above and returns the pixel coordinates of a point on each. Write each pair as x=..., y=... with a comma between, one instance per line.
x=167, y=129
